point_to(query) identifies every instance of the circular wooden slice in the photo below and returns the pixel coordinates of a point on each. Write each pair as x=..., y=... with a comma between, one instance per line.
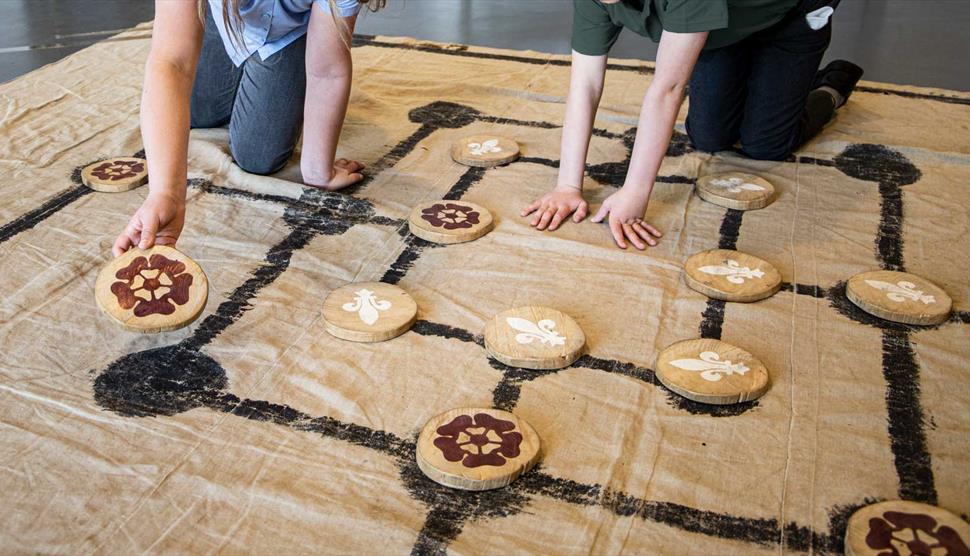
x=899, y=297
x=534, y=338
x=484, y=151
x=473, y=448
x=735, y=190
x=154, y=290
x=731, y=275
x=115, y=174
x=450, y=221
x=902, y=527
x=712, y=372
x=369, y=312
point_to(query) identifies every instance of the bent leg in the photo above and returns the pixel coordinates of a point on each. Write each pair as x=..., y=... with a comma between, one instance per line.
x=716, y=97
x=216, y=81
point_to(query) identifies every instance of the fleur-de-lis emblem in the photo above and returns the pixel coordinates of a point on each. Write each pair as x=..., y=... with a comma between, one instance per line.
x=710, y=366
x=542, y=331
x=479, y=149
x=901, y=291
x=367, y=306
x=736, y=185
x=734, y=272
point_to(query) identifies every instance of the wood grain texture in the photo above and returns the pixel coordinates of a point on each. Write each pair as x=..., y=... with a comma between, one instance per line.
x=874, y=530
x=484, y=151
x=711, y=371
x=163, y=288
x=476, y=448
x=449, y=222
x=115, y=175
x=534, y=338
x=899, y=297
x=736, y=190
x=368, y=312
x=731, y=275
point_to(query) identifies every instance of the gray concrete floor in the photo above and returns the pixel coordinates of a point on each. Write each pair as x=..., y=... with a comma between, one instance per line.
x=917, y=42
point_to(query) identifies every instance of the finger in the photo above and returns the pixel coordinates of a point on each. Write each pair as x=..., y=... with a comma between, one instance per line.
x=165, y=240
x=617, y=233
x=531, y=208
x=655, y=232
x=133, y=231
x=340, y=162
x=546, y=217
x=539, y=213
x=148, y=234
x=633, y=237
x=557, y=218
x=641, y=229
x=122, y=244
x=581, y=212
x=353, y=166
x=601, y=213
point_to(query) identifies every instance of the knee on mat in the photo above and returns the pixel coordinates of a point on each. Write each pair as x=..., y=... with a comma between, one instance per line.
x=766, y=151
x=710, y=142
x=259, y=162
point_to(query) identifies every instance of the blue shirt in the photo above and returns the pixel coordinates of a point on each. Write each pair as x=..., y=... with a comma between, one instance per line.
x=271, y=25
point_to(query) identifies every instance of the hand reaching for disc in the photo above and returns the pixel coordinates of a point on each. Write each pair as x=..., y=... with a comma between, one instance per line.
x=554, y=207
x=158, y=221
x=626, y=209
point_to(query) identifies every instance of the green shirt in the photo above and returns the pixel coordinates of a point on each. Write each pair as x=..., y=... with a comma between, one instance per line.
x=596, y=26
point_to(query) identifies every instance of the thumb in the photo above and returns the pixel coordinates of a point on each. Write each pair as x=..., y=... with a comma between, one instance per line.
x=601, y=213
x=148, y=231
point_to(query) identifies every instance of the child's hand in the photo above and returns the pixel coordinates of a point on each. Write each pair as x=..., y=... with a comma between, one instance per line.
x=345, y=172
x=158, y=221
x=554, y=207
x=626, y=208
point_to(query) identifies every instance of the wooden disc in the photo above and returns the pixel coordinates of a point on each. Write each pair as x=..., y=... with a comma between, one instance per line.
x=711, y=371
x=369, y=312
x=731, y=275
x=154, y=290
x=534, y=338
x=476, y=449
x=735, y=190
x=115, y=174
x=484, y=151
x=899, y=297
x=450, y=221
x=902, y=527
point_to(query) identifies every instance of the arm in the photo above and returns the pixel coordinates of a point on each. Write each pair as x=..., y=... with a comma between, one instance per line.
x=329, y=71
x=585, y=88
x=169, y=74
x=675, y=61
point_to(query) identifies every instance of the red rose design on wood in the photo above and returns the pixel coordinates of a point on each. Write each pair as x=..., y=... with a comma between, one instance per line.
x=153, y=286
x=904, y=534
x=114, y=170
x=482, y=440
x=450, y=216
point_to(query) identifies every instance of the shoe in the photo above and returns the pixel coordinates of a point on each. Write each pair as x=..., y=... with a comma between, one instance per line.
x=839, y=75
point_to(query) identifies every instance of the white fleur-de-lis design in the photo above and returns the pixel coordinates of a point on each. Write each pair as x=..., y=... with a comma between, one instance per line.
x=367, y=306
x=901, y=291
x=710, y=366
x=734, y=272
x=736, y=185
x=490, y=146
x=542, y=331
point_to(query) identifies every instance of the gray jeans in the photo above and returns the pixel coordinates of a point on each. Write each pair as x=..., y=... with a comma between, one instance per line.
x=262, y=101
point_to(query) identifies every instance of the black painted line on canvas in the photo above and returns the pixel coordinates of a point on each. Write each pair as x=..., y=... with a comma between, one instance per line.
x=27, y=221
x=810, y=290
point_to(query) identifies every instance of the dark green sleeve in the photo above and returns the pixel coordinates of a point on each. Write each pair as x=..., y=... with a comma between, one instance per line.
x=593, y=31
x=694, y=16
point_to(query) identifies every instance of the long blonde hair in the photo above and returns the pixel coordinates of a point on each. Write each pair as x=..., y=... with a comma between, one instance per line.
x=232, y=20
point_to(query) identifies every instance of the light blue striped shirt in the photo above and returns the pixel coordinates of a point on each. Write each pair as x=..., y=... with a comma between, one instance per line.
x=270, y=25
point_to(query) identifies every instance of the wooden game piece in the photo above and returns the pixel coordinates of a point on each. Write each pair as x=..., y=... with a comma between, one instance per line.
x=476, y=448
x=484, y=151
x=712, y=372
x=735, y=190
x=450, y=221
x=369, y=312
x=534, y=338
x=115, y=175
x=153, y=290
x=899, y=297
x=903, y=527
x=731, y=275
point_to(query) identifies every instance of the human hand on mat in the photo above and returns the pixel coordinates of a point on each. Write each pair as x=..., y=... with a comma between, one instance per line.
x=158, y=221
x=554, y=207
x=345, y=172
x=626, y=209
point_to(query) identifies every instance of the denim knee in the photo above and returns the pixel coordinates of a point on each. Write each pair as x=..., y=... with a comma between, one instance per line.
x=709, y=139
x=259, y=161
x=767, y=150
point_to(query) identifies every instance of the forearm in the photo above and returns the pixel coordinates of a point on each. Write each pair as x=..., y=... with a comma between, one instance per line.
x=165, y=125
x=324, y=112
x=585, y=90
x=654, y=129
